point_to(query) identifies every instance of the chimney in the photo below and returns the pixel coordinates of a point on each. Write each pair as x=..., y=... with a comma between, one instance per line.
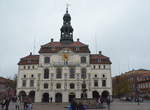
x=30, y=53
x=78, y=39
x=52, y=40
x=100, y=52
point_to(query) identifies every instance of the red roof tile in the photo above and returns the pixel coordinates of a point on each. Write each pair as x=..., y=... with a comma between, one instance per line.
x=99, y=59
x=28, y=60
x=54, y=47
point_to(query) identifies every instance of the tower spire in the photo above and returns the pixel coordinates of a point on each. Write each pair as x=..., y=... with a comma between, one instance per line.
x=67, y=6
x=66, y=29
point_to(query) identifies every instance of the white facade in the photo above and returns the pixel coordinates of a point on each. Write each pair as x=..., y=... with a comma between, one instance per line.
x=62, y=70
x=97, y=72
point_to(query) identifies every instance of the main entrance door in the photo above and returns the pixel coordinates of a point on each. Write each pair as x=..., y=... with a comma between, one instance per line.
x=95, y=94
x=71, y=97
x=32, y=95
x=45, y=97
x=105, y=94
x=58, y=97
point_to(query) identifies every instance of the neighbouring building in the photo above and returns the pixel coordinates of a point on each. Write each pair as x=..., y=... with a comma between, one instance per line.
x=63, y=69
x=138, y=81
x=6, y=89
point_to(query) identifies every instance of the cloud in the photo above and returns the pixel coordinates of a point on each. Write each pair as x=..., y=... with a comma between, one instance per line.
x=120, y=29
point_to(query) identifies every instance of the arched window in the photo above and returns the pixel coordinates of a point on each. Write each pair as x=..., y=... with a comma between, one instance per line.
x=58, y=73
x=72, y=86
x=46, y=73
x=72, y=72
x=83, y=73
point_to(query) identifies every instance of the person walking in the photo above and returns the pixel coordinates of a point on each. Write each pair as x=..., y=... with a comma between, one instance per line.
x=51, y=99
x=108, y=103
x=73, y=105
x=29, y=104
x=80, y=106
x=17, y=103
x=3, y=103
x=7, y=103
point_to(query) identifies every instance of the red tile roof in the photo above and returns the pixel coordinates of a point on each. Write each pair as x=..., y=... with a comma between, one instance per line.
x=4, y=80
x=99, y=59
x=54, y=47
x=28, y=60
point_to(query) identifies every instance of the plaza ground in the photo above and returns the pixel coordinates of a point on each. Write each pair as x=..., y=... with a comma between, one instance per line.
x=116, y=105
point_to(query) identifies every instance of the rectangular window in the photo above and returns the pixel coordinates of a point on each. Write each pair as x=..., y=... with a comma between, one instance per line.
x=72, y=72
x=58, y=86
x=83, y=73
x=104, y=66
x=45, y=86
x=96, y=83
x=93, y=66
x=103, y=83
x=24, y=83
x=59, y=73
x=83, y=59
x=46, y=73
x=46, y=60
x=31, y=83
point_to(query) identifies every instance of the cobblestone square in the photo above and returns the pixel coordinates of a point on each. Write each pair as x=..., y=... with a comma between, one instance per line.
x=116, y=105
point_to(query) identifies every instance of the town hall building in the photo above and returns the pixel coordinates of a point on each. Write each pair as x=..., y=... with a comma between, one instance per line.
x=64, y=70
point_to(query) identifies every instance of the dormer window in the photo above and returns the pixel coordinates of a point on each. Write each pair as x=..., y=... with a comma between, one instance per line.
x=46, y=60
x=99, y=60
x=83, y=59
x=77, y=48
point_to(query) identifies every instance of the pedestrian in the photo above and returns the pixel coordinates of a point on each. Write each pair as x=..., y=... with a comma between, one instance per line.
x=3, y=103
x=29, y=104
x=80, y=106
x=102, y=100
x=51, y=99
x=108, y=102
x=25, y=103
x=7, y=102
x=17, y=103
x=73, y=105
x=69, y=107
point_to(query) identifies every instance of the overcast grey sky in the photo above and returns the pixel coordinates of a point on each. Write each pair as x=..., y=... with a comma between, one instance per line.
x=119, y=28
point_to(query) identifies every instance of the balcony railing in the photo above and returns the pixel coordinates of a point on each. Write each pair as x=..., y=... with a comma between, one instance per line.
x=65, y=64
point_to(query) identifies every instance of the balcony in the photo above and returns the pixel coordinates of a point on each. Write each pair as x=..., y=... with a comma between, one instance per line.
x=65, y=64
